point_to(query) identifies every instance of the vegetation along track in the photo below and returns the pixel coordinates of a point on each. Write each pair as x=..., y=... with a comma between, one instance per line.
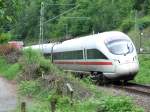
x=134, y=88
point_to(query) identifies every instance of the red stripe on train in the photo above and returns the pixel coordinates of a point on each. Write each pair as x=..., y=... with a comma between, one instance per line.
x=83, y=63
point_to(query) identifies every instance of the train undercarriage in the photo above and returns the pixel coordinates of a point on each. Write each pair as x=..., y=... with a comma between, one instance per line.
x=99, y=78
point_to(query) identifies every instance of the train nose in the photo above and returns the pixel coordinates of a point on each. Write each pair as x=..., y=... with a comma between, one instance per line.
x=127, y=70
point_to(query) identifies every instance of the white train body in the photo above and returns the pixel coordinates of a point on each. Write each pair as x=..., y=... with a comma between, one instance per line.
x=45, y=48
x=111, y=53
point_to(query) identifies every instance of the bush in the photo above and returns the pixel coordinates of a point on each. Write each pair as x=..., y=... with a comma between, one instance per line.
x=10, y=53
x=6, y=49
x=44, y=66
x=143, y=76
x=5, y=37
x=29, y=88
x=3, y=64
x=126, y=25
x=144, y=22
x=89, y=105
x=119, y=104
x=31, y=56
x=12, y=71
x=9, y=71
x=33, y=64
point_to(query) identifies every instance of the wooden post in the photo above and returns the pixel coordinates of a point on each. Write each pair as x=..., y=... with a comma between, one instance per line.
x=42, y=74
x=58, y=87
x=70, y=90
x=53, y=104
x=23, y=107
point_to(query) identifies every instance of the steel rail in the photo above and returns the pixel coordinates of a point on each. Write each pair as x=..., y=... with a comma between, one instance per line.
x=134, y=88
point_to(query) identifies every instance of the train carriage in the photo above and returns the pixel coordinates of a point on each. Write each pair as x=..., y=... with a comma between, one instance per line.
x=111, y=54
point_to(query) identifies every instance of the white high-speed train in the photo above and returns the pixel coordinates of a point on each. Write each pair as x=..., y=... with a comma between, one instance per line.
x=110, y=54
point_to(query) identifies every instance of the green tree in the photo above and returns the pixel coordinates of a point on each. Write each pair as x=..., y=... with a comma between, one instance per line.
x=8, y=9
x=22, y=17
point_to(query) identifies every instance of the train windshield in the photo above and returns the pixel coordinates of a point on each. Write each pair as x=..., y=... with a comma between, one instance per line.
x=120, y=47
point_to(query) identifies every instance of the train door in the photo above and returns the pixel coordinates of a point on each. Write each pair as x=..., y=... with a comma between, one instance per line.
x=84, y=54
x=82, y=65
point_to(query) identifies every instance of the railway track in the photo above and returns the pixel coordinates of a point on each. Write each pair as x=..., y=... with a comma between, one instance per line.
x=134, y=88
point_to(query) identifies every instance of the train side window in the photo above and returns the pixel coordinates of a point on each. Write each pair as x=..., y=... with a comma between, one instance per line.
x=56, y=56
x=68, y=55
x=95, y=54
x=77, y=54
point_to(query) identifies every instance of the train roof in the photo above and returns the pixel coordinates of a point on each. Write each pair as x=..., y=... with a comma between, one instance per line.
x=79, y=43
x=46, y=48
x=90, y=41
x=100, y=35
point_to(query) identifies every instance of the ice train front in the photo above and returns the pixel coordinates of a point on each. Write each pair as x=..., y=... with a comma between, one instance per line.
x=124, y=57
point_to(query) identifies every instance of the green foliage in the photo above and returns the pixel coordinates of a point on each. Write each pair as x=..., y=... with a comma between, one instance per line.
x=29, y=88
x=119, y=104
x=8, y=14
x=10, y=71
x=4, y=37
x=108, y=104
x=79, y=106
x=99, y=13
x=31, y=56
x=33, y=64
x=144, y=22
x=87, y=80
x=3, y=64
x=143, y=75
x=44, y=66
x=126, y=25
x=129, y=23
x=142, y=5
x=37, y=106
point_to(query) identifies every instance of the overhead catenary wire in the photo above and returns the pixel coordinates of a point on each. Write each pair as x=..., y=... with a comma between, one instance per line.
x=14, y=27
x=77, y=17
x=61, y=14
x=42, y=22
x=61, y=4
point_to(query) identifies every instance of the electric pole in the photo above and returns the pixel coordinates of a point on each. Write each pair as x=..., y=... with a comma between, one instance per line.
x=66, y=30
x=41, y=24
x=135, y=21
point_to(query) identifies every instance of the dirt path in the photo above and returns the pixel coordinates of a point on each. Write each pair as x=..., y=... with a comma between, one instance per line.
x=8, y=96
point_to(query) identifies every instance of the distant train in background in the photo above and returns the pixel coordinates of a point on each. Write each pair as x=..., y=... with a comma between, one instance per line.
x=110, y=55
